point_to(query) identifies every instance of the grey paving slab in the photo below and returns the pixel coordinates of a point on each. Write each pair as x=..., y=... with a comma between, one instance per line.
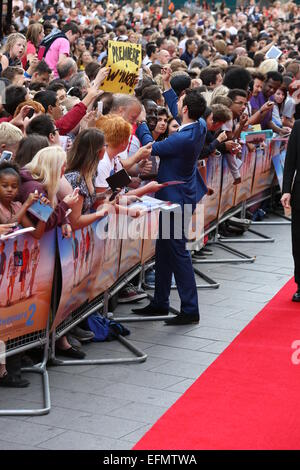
x=140, y=377
x=21, y=432
x=111, y=407
x=214, y=333
x=181, y=369
x=216, y=347
x=142, y=394
x=171, y=339
x=181, y=387
x=70, y=440
x=5, y=445
x=183, y=354
x=135, y=436
x=141, y=412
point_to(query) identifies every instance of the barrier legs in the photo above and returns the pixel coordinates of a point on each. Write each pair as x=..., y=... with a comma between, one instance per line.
x=136, y=318
x=37, y=369
x=140, y=356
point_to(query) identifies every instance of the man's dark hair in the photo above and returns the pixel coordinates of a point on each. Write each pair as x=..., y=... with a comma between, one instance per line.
x=71, y=27
x=155, y=69
x=195, y=103
x=152, y=92
x=41, y=125
x=275, y=76
x=160, y=41
x=42, y=67
x=209, y=75
x=249, y=43
x=14, y=95
x=92, y=69
x=237, y=77
x=191, y=33
x=180, y=83
x=188, y=43
x=46, y=98
x=232, y=94
x=203, y=47
x=258, y=76
x=150, y=48
x=57, y=85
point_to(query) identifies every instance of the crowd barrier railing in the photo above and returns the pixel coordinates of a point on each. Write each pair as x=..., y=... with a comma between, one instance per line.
x=49, y=286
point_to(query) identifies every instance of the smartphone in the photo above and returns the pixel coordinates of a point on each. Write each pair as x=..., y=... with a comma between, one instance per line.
x=119, y=180
x=6, y=156
x=99, y=108
x=30, y=113
x=63, y=140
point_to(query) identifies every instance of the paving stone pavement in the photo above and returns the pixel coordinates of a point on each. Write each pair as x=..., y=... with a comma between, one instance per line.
x=112, y=406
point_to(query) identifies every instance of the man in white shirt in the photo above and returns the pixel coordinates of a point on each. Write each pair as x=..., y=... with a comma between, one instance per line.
x=151, y=54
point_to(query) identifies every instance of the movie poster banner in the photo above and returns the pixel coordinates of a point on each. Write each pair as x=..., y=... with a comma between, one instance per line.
x=107, y=258
x=124, y=60
x=243, y=190
x=151, y=227
x=227, y=189
x=132, y=234
x=213, y=181
x=278, y=152
x=26, y=277
x=76, y=259
x=264, y=172
x=89, y=264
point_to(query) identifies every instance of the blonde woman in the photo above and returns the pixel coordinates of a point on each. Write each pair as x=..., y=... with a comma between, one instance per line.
x=13, y=50
x=35, y=35
x=268, y=65
x=43, y=174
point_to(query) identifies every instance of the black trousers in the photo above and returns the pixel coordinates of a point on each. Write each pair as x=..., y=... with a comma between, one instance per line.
x=295, y=203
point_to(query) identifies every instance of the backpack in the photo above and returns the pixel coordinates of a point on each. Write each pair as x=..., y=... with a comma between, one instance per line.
x=105, y=329
x=47, y=43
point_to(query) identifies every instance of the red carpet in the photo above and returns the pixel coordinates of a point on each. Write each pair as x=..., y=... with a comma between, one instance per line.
x=249, y=398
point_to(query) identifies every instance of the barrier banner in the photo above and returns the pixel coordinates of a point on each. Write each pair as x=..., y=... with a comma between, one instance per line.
x=213, y=181
x=26, y=277
x=132, y=242
x=278, y=158
x=76, y=258
x=243, y=190
x=124, y=60
x=107, y=255
x=227, y=189
x=264, y=172
x=151, y=227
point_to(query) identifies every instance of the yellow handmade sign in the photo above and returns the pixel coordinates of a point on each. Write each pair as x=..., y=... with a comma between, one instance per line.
x=124, y=60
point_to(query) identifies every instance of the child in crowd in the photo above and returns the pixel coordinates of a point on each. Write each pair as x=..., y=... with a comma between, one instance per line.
x=10, y=209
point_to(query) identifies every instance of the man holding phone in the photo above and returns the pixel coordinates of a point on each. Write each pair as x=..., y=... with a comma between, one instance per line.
x=271, y=84
x=178, y=161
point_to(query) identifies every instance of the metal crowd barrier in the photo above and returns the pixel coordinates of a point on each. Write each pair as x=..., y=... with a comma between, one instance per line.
x=120, y=269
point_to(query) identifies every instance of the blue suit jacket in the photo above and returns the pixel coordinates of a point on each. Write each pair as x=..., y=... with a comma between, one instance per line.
x=178, y=161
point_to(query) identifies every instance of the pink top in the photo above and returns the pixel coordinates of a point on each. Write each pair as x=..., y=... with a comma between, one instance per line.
x=30, y=49
x=6, y=214
x=59, y=46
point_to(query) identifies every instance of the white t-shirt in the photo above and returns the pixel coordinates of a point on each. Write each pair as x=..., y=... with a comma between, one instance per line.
x=289, y=108
x=182, y=45
x=106, y=168
x=133, y=146
x=227, y=126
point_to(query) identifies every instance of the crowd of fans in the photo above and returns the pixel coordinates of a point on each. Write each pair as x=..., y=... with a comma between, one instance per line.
x=53, y=62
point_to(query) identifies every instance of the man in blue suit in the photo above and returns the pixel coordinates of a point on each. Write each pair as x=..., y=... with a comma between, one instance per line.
x=178, y=161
